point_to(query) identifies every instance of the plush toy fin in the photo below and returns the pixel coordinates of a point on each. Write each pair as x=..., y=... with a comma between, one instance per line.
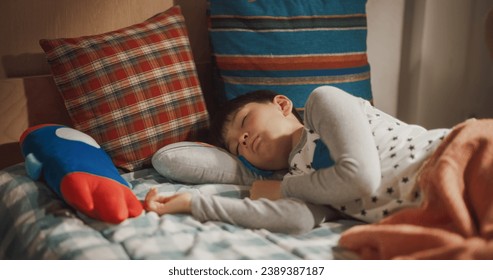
x=100, y=197
x=33, y=166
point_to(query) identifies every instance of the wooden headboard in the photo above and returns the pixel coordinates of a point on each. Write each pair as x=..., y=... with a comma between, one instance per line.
x=25, y=102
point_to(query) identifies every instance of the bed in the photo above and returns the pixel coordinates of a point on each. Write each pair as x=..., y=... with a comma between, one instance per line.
x=172, y=92
x=38, y=224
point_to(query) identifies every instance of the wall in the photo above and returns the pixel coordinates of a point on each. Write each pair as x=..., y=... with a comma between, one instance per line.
x=385, y=24
x=429, y=63
x=24, y=22
x=446, y=71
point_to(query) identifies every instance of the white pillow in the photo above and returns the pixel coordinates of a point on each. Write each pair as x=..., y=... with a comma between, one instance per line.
x=202, y=163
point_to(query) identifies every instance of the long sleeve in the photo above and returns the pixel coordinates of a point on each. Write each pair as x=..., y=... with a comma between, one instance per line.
x=285, y=215
x=339, y=119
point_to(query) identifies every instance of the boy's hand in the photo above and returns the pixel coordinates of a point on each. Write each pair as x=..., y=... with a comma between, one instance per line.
x=177, y=203
x=266, y=189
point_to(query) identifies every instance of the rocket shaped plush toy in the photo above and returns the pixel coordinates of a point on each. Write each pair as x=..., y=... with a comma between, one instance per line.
x=75, y=167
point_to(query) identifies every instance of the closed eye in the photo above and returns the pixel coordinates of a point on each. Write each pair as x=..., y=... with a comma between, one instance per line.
x=241, y=126
x=243, y=120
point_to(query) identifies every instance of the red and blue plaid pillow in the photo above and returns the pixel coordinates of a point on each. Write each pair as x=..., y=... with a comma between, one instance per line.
x=134, y=90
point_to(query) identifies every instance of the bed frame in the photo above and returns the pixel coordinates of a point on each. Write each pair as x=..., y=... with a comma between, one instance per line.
x=25, y=102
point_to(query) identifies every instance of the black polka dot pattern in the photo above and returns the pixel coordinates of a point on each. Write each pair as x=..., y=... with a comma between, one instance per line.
x=402, y=149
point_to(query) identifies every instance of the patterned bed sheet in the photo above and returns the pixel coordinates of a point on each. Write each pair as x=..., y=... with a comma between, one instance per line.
x=34, y=224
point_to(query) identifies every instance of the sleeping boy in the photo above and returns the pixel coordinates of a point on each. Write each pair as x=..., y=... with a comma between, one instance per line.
x=347, y=159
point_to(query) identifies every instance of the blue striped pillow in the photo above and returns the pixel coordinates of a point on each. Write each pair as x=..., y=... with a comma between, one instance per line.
x=290, y=46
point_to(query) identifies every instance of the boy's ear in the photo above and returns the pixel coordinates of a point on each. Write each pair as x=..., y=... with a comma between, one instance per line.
x=284, y=104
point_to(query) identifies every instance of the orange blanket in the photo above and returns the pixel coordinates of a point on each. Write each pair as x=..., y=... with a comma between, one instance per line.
x=455, y=220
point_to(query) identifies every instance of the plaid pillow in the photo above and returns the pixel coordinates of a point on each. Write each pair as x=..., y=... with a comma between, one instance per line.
x=290, y=46
x=134, y=90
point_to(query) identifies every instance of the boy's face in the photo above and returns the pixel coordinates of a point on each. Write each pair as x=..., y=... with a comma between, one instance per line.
x=263, y=134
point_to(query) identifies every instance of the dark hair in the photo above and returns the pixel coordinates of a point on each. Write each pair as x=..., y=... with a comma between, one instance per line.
x=227, y=110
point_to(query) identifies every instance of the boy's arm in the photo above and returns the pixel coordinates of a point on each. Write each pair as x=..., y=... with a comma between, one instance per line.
x=340, y=121
x=270, y=189
x=284, y=215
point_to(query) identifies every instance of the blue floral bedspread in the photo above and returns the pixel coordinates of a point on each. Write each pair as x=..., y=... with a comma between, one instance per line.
x=35, y=224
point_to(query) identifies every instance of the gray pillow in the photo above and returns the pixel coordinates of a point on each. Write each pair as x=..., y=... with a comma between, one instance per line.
x=202, y=163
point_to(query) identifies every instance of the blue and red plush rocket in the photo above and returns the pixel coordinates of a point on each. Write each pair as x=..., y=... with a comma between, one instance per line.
x=75, y=167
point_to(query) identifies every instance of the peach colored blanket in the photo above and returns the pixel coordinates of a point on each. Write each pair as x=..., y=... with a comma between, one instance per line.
x=455, y=220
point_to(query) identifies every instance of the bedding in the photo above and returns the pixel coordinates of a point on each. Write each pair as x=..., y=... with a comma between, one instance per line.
x=455, y=220
x=35, y=224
